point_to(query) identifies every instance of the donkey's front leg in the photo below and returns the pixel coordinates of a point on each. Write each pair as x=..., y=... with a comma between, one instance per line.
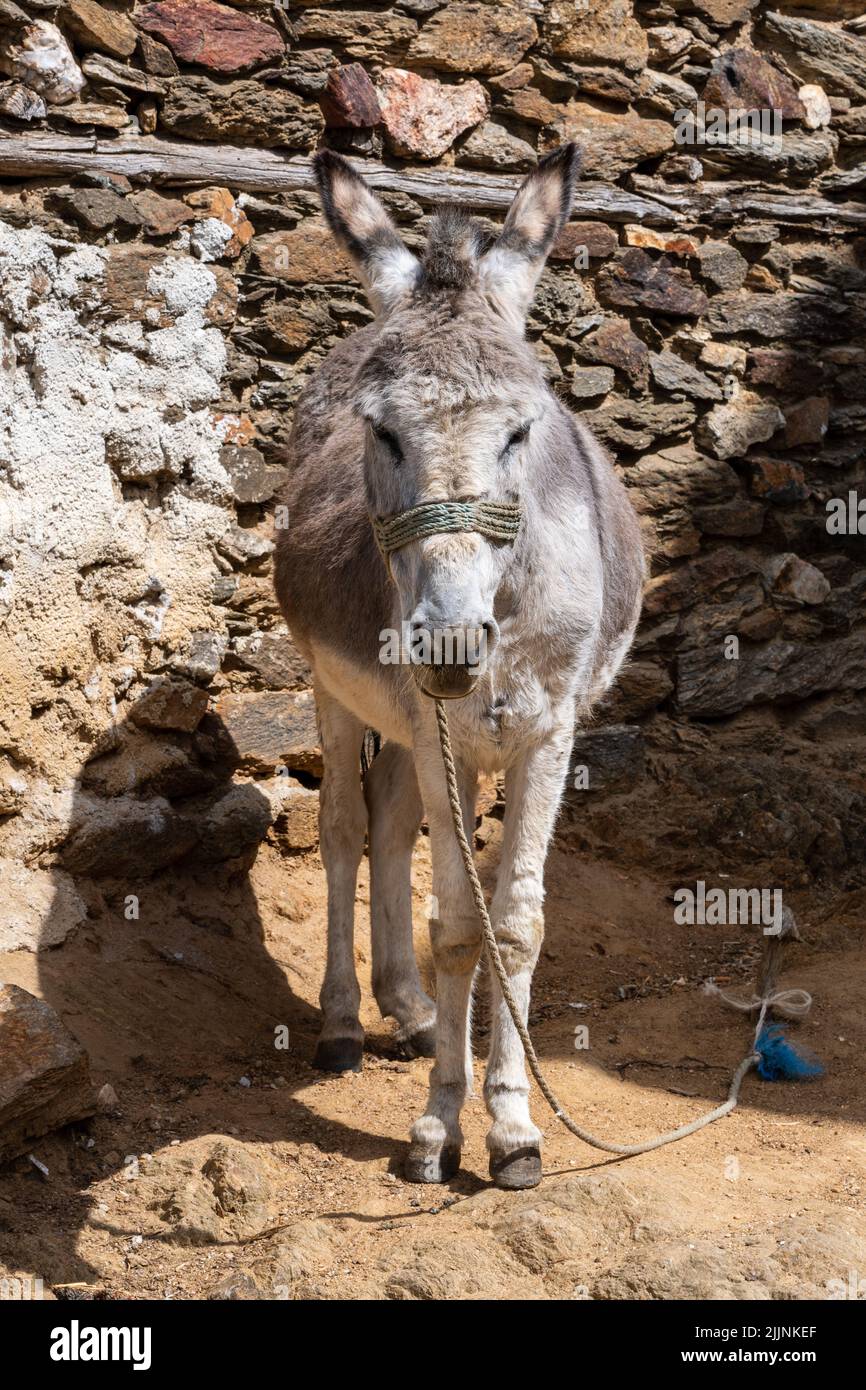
x=455, y=937
x=533, y=787
x=342, y=827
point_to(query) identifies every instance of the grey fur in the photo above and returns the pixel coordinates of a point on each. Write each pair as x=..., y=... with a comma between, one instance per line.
x=443, y=398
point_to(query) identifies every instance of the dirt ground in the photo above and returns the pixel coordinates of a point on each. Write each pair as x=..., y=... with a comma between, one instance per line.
x=230, y=1169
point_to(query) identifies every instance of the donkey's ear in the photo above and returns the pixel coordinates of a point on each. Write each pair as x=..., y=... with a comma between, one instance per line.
x=509, y=271
x=361, y=224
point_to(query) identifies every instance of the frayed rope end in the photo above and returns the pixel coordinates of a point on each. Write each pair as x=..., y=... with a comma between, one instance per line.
x=780, y=1060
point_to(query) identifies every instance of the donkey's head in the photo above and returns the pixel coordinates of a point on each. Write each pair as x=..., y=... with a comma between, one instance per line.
x=454, y=400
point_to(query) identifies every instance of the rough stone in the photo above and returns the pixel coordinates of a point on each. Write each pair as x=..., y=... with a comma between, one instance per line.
x=272, y=658
x=239, y=1181
x=731, y=429
x=161, y=216
x=349, y=99
x=605, y=32
x=245, y=546
x=785, y=316
x=475, y=38
x=641, y=687
x=615, y=344
x=234, y=825
x=98, y=209
x=42, y=59
x=219, y=205
x=634, y=280
x=795, y=578
x=819, y=53
x=168, y=705
x=303, y=255
x=816, y=106
x=591, y=381
x=665, y=92
x=673, y=374
x=44, y=1074
x=785, y=368
x=21, y=102
x=252, y=479
x=722, y=265
x=423, y=117
x=613, y=757
x=626, y=424
x=157, y=57
x=491, y=146
x=796, y=156
x=612, y=143
x=807, y=421
x=41, y=907
x=97, y=27
x=297, y=826
x=531, y=107
x=124, y=838
x=743, y=79
x=708, y=686
x=111, y=74
x=720, y=12
x=778, y=480
x=213, y=36
x=598, y=238
x=270, y=729
x=370, y=35
x=244, y=112
x=91, y=113
x=672, y=243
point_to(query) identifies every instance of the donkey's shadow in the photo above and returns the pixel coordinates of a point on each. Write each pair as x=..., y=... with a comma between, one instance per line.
x=170, y=985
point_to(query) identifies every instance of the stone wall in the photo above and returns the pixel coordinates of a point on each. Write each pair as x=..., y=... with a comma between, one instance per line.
x=705, y=311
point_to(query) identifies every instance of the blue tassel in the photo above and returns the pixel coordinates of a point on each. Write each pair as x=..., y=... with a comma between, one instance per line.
x=781, y=1060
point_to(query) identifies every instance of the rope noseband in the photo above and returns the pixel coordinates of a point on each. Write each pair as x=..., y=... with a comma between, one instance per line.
x=499, y=520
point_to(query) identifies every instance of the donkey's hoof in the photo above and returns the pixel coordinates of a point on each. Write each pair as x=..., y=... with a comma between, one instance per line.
x=423, y=1166
x=422, y=1043
x=338, y=1054
x=521, y=1168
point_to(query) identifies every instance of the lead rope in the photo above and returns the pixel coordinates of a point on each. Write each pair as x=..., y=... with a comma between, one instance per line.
x=493, y=955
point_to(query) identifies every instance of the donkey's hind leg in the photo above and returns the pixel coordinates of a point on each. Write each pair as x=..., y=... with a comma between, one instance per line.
x=342, y=825
x=394, y=805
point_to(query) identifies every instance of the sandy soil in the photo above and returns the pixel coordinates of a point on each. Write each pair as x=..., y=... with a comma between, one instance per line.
x=230, y=1169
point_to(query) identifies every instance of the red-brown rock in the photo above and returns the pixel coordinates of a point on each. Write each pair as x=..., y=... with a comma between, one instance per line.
x=349, y=99
x=598, y=238
x=635, y=281
x=423, y=117
x=743, y=78
x=212, y=36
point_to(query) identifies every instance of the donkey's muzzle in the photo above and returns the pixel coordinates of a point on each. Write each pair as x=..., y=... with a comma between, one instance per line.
x=448, y=661
x=446, y=682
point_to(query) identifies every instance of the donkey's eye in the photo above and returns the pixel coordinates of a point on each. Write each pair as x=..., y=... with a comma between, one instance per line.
x=389, y=440
x=517, y=438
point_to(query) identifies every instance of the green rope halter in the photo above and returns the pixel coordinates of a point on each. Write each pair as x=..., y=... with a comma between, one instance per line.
x=499, y=520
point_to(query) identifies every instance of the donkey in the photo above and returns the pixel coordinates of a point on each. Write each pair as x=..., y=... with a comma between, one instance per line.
x=441, y=400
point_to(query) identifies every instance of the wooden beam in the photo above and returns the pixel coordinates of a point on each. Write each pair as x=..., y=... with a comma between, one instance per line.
x=152, y=159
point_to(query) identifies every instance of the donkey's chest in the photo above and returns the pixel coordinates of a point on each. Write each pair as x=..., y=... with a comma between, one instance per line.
x=512, y=705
